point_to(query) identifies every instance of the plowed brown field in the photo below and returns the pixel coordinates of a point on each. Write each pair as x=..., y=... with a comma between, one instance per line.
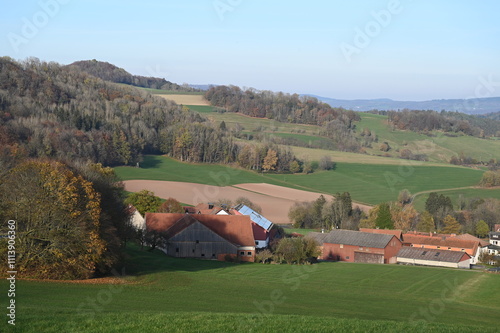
x=274, y=200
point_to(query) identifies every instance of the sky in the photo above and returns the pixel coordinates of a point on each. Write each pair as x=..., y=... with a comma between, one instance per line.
x=398, y=49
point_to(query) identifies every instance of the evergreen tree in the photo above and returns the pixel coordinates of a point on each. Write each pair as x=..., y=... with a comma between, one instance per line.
x=384, y=219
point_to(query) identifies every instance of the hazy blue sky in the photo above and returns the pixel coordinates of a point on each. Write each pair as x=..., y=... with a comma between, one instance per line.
x=406, y=50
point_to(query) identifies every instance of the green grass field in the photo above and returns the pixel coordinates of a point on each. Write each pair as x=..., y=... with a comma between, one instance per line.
x=165, y=294
x=369, y=184
x=470, y=193
x=439, y=149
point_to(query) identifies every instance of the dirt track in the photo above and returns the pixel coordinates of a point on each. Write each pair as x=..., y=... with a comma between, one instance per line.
x=274, y=200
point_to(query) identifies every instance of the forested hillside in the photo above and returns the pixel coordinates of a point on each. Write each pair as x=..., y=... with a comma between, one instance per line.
x=452, y=122
x=110, y=72
x=337, y=124
x=53, y=111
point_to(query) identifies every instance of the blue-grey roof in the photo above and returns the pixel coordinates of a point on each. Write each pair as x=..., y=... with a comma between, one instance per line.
x=254, y=216
x=430, y=254
x=356, y=238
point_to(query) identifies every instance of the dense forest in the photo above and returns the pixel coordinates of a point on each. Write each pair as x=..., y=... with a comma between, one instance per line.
x=452, y=122
x=337, y=124
x=47, y=110
x=112, y=73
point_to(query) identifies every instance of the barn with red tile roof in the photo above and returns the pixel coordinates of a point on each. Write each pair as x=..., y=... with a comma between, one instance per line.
x=204, y=236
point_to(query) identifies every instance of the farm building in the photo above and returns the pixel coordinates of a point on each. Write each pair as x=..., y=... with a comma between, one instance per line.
x=136, y=219
x=204, y=236
x=471, y=247
x=428, y=257
x=261, y=226
x=495, y=238
x=357, y=246
x=494, y=244
x=210, y=209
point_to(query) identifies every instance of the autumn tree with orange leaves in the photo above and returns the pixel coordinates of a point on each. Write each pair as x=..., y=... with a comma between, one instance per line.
x=57, y=213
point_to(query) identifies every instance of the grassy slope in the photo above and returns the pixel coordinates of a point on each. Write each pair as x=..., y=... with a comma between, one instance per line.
x=370, y=184
x=169, y=294
x=438, y=149
x=469, y=193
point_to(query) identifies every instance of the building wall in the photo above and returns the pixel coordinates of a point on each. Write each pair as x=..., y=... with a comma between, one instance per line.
x=342, y=252
x=462, y=264
x=391, y=250
x=197, y=241
x=370, y=258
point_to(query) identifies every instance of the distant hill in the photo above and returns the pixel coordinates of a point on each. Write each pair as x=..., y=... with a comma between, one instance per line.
x=469, y=106
x=110, y=72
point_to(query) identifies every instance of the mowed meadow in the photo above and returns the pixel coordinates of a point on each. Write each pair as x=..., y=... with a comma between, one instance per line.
x=369, y=184
x=156, y=293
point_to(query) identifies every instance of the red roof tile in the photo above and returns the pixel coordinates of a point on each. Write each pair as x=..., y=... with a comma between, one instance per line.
x=469, y=237
x=236, y=229
x=440, y=241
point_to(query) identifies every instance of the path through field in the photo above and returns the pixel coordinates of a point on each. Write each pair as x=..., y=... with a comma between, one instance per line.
x=274, y=200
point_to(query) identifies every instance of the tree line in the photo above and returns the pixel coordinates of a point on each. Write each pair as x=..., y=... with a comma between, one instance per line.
x=425, y=121
x=112, y=73
x=475, y=216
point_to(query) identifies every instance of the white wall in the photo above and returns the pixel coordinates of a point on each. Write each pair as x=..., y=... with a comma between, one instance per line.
x=462, y=264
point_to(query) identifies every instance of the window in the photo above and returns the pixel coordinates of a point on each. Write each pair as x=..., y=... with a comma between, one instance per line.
x=249, y=253
x=421, y=246
x=242, y=253
x=424, y=253
x=197, y=242
x=463, y=249
x=411, y=245
x=177, y=249
x=256, y=242
x=203, y=254
x=213, y=255
x=449, y=248
x=341, y=246
x=439, y=247
x=437, y=254
x=347, y=257
x=361, y=248
x=193, y=250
